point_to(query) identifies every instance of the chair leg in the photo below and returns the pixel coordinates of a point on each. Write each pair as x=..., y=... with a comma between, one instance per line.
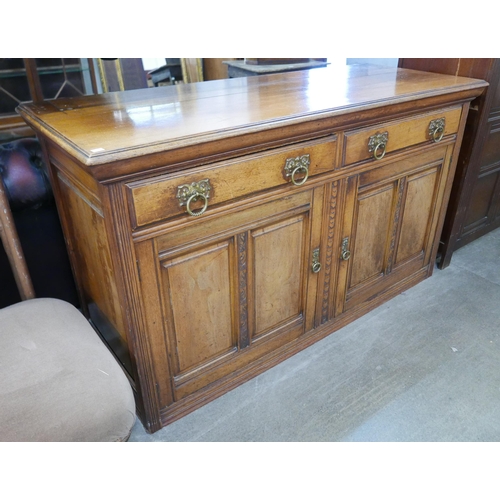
x=12, y=245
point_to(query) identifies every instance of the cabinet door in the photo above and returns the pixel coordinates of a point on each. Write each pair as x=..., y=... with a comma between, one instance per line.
x=389, y=229
x=235, y=287
x=482, y=209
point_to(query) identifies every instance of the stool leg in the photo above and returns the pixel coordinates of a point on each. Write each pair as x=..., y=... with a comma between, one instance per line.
x=12, y=245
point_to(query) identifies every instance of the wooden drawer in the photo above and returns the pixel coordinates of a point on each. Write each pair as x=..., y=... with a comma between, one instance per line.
x=360, y=144
x=152, y=200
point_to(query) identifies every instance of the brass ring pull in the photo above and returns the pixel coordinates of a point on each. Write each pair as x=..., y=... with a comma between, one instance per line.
x=435, y=136
x=295, y=165
x=377, y=144
x=195, y=197
x=436, y=129
x=188, y=193
x=316, y=264
x=300, y=168
x=377, y=147
x=346, y=254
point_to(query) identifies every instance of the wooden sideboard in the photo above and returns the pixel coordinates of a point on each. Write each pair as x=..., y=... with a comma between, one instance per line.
x=474, y=208
x=217, y=228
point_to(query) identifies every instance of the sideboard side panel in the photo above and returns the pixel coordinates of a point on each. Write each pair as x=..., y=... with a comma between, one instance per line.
x=93, y=259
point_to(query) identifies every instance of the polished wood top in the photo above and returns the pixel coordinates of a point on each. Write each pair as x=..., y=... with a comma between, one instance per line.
x=122, y=125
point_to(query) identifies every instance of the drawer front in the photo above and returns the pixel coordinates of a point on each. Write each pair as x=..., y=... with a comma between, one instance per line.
x=378, y=140
x=169, y=196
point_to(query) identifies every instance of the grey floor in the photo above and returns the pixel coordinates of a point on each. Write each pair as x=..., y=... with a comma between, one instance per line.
x=423, y=367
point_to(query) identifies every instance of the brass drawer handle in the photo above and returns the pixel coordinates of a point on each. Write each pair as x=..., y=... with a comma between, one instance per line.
x=299, y=165
x=190, y=193
x=316, y=264
x=345, y=253
x=436, y=129
x=377, y=144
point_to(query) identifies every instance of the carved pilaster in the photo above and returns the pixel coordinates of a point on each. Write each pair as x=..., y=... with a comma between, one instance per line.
x=329, y=253
x=242, y=285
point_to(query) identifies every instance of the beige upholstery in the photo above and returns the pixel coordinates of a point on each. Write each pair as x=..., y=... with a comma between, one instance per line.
x=58, y=381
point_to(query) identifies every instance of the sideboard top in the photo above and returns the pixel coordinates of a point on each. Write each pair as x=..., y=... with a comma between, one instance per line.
x=114, y=126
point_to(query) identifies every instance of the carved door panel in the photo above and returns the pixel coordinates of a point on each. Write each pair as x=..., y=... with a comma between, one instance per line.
x=234, y=288
x=276, y=286
x=389, y=230
x=199, y=287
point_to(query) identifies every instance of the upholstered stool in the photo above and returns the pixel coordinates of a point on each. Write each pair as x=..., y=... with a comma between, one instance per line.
x=58, y=380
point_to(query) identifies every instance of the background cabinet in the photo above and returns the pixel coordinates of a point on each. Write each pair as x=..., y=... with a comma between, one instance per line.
x=24, y=80
x=474, y=207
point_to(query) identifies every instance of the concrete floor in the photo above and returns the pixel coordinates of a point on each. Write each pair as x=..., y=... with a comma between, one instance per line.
x=424, y=367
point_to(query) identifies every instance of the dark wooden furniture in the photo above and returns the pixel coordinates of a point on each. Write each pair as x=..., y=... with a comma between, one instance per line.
x=474, y=207
x=24, y=80
x=237, y=69
x=217, y=228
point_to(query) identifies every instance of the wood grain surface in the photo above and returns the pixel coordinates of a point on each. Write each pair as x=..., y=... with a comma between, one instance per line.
x=120, y=125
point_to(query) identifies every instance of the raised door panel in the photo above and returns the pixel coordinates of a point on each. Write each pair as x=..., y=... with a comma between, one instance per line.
x=199, y=310
x=482, y=208
x=200, y=300
x=490, y=153
x=417, y=215
x=277, y=254
x=372, y=225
